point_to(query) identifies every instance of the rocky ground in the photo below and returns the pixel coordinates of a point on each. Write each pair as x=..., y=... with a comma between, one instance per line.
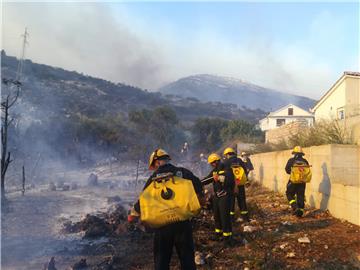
x=45, y=224
x=273, y=239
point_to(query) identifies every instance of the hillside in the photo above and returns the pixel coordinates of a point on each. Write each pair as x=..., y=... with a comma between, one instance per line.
x=50, y=91
x=66, y=113
x=206, y=87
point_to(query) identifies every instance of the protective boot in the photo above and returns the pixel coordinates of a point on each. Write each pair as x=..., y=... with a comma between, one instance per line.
x=216, y=237
x=232, y=215
x=299, y=212
x=245, y=217
x=229, y=241
x=293, y=205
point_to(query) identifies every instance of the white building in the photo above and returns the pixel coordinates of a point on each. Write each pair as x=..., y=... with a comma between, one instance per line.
x=342, y=100
x=285, y=115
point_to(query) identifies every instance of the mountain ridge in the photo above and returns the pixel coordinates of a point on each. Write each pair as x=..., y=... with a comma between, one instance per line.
x=55, y=91
x=208, y=87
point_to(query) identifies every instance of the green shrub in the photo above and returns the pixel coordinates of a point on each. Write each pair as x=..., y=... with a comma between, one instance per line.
x=323, y=132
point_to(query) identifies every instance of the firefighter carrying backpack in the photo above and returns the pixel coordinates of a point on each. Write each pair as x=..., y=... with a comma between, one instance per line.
x=168, y=199
x=239, y=175
x=300, y=172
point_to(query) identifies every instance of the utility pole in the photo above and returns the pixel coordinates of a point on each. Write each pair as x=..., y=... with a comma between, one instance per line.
x=22, y=56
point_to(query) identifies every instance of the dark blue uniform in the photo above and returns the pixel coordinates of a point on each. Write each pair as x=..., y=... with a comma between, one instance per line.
x=177, y=234
x=240, y=192
x=296, y=189
x=222, y=198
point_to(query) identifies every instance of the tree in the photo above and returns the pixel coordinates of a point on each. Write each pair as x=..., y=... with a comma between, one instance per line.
x=206, y=133
x=143, y=140
x=163, y=126
x=9, y=101
x=107, y=133
x=240, y=129
x=155, y=128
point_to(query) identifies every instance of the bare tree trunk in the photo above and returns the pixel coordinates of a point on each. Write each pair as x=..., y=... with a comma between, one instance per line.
x=5, y=156
x=6, y=122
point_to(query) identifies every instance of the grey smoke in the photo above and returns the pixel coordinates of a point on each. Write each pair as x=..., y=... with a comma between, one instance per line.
x=92, y=38
x=84, y=37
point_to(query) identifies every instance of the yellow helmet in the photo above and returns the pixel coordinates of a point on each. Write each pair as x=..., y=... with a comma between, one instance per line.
x=213, y=157
x=229, y=150
x=297, y=150
x=157, y=154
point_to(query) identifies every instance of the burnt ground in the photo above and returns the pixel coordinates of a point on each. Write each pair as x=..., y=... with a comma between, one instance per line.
x=273, y=243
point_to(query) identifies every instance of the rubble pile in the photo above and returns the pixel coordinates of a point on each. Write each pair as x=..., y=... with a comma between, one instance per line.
x=105, y=224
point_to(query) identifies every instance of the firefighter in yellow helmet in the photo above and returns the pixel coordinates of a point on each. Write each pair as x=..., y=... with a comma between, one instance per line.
x=178, y=234
x=223, y=184
x=232, y=162
x=295, y=192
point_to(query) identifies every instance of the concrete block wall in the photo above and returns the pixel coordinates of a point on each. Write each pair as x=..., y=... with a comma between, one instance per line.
x=335, y=184
x=284, y=132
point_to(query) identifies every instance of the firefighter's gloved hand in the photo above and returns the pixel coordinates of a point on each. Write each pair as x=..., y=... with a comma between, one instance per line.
x=133, y=216
x=132, y=219
x=221, y=178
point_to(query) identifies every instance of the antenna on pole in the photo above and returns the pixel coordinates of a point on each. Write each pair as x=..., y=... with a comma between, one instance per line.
x=20, y=65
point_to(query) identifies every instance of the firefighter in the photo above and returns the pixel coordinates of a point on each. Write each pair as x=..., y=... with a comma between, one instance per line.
x=178, y=234
x=233, y=162
x=223, y=184
x=295, y=192
x=248, y=164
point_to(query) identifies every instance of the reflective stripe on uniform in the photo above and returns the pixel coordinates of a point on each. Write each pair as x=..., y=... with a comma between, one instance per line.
x=243, y=212
x=218, y=230
x=301, y=209
x=292, y=201
x=232, y=213
x=227, y=233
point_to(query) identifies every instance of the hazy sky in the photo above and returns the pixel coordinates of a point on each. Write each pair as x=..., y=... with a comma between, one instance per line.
x=301, y=48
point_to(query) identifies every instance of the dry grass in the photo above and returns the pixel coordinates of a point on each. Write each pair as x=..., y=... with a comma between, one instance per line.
x=323, y=132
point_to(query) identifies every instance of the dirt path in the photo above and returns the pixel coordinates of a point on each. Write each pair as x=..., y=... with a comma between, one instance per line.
x=29, y=241
x=334, y=244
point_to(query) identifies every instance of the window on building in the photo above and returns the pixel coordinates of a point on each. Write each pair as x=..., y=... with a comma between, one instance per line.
x=290, y=111
x=341, y=114
x=280, y=122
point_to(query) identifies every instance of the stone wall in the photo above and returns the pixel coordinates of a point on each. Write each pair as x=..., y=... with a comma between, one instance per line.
x=284, y=132
x=336, y=177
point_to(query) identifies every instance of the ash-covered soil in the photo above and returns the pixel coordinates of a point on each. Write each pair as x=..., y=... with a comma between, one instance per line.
x=33, y=226
x=273, y=239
